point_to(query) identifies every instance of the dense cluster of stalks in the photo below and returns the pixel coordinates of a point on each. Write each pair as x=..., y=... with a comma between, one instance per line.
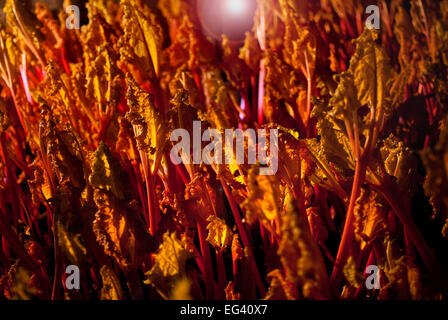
x=86, y=177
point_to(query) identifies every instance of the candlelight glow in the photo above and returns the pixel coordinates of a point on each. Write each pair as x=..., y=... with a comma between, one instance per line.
x=230, y=17
x=236, y=7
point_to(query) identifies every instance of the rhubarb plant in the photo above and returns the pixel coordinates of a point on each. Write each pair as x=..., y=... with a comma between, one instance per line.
x=357, y=117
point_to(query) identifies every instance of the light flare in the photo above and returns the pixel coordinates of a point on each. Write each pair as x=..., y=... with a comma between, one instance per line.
x=236, y=7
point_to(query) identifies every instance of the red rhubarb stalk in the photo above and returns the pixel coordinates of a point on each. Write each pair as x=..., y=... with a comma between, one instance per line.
x=348, y=233
x=205, y=250
x=244, y=238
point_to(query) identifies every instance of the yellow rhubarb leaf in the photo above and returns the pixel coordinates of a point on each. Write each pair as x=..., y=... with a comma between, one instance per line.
x=170, y=266
x=299, y=253
x=219, y=234
x=150, y=129
x=172, y=255
x=119, y=230
x=181, y=290
x=142, y=39
x=111, y=289
x=103, y=78
x=106, y=172
x=265, y=198
x=370, y=217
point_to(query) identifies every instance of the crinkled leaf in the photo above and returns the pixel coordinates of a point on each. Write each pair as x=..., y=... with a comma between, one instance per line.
x=111, y=289
x=171, y=256
x=107, y=172
x=169, y=264
x=370, y=217
x=300, y=255
x=351, y=273
x=265, y=198
x=279, y=288
x=219, y=234
x=334, y=146
x=119, y=230
x=103, y=78
x=142, y=39
x=150, y=129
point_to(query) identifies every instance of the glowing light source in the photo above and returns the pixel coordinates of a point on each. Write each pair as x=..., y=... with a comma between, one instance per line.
x=230, y=17
x=236, y=7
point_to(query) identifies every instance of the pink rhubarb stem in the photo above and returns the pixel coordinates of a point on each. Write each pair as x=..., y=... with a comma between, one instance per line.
x=244, y=238
x=222, y=278
x=261, y=77
x=208, y=268
x=348, y=233
x=153, y=209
